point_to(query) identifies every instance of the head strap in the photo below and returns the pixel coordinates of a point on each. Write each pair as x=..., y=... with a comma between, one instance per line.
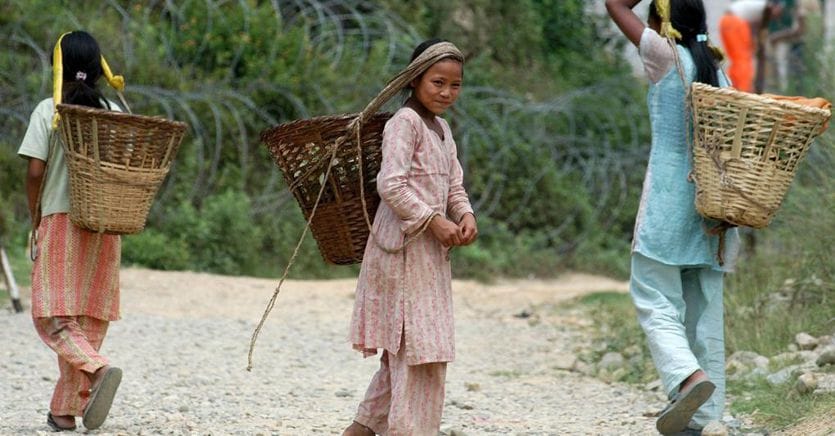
x=117, y=82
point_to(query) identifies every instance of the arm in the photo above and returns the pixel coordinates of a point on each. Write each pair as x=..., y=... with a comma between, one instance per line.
x=794, y=32
x=399, y=141
x=459, y=209
x=626, y=19
x=34, y=180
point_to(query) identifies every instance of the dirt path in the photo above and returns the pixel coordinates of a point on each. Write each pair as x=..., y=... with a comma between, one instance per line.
x=183, y=344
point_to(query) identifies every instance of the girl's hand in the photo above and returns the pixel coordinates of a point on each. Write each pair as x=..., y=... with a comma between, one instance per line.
x=469, y=229
x=445, y=231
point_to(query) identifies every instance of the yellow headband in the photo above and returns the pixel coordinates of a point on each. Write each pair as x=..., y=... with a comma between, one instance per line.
x=117, y=82
x=667, y=29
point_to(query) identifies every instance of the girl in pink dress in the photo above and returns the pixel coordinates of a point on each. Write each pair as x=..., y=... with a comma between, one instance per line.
x=404, y=296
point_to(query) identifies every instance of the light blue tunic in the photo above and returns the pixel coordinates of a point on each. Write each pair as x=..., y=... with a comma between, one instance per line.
x=668, y=229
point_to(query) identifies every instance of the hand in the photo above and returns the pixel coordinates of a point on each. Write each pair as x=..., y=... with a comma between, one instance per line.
x=445, y=231
x=469, y=229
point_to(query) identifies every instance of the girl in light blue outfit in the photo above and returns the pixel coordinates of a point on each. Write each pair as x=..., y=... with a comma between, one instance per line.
x=678, y=257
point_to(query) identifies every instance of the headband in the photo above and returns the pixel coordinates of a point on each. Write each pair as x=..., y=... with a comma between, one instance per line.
x=117, y=82
x=433, y=54
x=667, y=29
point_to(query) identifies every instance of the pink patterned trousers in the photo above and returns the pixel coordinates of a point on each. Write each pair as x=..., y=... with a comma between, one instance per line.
x=402, y=399
x=76, y=340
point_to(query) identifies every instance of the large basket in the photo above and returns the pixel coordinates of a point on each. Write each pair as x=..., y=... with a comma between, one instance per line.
x=301, y=149
x=116, y=163
x=746, y=150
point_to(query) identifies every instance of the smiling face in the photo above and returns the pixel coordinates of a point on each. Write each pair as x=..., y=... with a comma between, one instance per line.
x=438, y=88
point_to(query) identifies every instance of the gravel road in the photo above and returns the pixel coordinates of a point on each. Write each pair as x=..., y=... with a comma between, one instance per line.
x=183, y=340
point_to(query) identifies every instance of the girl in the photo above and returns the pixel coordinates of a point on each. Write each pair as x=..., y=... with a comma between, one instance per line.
x=677, y=258
x=75, y=277
x=404, y=296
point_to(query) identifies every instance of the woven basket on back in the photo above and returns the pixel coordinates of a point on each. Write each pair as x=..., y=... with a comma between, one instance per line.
x=746, y=150
x=300, y=148
x=116, y=163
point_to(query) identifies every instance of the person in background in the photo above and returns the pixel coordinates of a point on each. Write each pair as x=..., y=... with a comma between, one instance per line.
x=738, y=29
x=803, y=41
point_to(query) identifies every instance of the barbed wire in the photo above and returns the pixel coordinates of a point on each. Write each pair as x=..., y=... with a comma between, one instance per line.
x=597, y=148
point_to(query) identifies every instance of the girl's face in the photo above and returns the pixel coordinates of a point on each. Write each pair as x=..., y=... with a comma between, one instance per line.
x=439, y=86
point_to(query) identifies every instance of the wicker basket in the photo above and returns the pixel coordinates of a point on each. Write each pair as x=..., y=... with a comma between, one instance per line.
x=746, y=150
x=116, y=163
x=300, y=149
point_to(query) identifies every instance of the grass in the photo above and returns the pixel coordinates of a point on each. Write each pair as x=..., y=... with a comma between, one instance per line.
x=616, y=329
x=777, y=407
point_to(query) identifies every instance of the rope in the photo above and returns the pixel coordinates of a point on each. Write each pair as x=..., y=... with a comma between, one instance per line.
x=689, y=124
x=430, y=56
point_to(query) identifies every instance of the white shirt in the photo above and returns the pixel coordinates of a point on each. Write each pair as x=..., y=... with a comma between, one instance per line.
x=749, y=10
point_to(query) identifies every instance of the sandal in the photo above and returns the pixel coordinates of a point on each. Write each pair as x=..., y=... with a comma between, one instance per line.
x=676, y=416
x=101, y=398
x=50, y=421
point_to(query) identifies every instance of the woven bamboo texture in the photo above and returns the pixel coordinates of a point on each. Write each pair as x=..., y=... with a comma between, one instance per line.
x=301, y=150
x=747, y=148
x=116, y=163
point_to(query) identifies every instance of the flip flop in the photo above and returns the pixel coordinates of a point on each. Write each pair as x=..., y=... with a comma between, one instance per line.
x=675, y=417
x=101, y=398
x=50, y=421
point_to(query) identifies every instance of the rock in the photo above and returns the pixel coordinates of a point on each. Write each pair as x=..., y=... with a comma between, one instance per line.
x=632, y=350
x=806, y=383
x=583, y=367
x=565, y=361
x=826, y=384
x=750, y=359
x=653, y=385
x=792, y=347
x=742, y=363
x=472, y=387
x=183, y=409
x=827, y=356
x=344, y=393
x=826, y=340
x=611, y=361
x=785, y=374
x=715, y=428
x=806, y=341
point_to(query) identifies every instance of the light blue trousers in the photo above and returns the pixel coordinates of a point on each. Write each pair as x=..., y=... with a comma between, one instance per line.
x=681, y=312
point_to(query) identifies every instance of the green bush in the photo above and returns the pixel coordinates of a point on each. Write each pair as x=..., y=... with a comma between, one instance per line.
x=153, y=249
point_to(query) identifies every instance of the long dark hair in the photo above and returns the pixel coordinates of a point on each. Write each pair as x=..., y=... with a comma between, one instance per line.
x=690, y=19
x=82, y=69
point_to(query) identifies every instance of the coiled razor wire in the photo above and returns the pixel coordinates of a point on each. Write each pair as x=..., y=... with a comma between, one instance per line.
x=595, y=146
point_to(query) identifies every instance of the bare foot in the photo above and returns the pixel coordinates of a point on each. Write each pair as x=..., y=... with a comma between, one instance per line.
x=699, y=375
x=357, y=429
x=96, y=377
x=64, y=421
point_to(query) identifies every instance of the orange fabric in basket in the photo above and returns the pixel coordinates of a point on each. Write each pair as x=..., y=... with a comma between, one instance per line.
x=818, y=102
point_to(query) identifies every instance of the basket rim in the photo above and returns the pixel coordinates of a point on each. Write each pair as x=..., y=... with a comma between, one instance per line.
x=119, y=116
x=756, y=97
x=270, y=131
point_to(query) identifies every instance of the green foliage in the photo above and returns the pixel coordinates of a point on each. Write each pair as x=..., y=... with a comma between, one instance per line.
x=548, y=166
x=777, y=407
x=615, y=328
x=153, y=249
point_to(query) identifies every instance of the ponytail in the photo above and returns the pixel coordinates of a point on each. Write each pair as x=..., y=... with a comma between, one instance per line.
x=705, y=60
x=685, y=22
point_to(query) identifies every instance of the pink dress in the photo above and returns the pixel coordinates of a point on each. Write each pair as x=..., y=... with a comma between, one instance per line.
x=410, y=293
